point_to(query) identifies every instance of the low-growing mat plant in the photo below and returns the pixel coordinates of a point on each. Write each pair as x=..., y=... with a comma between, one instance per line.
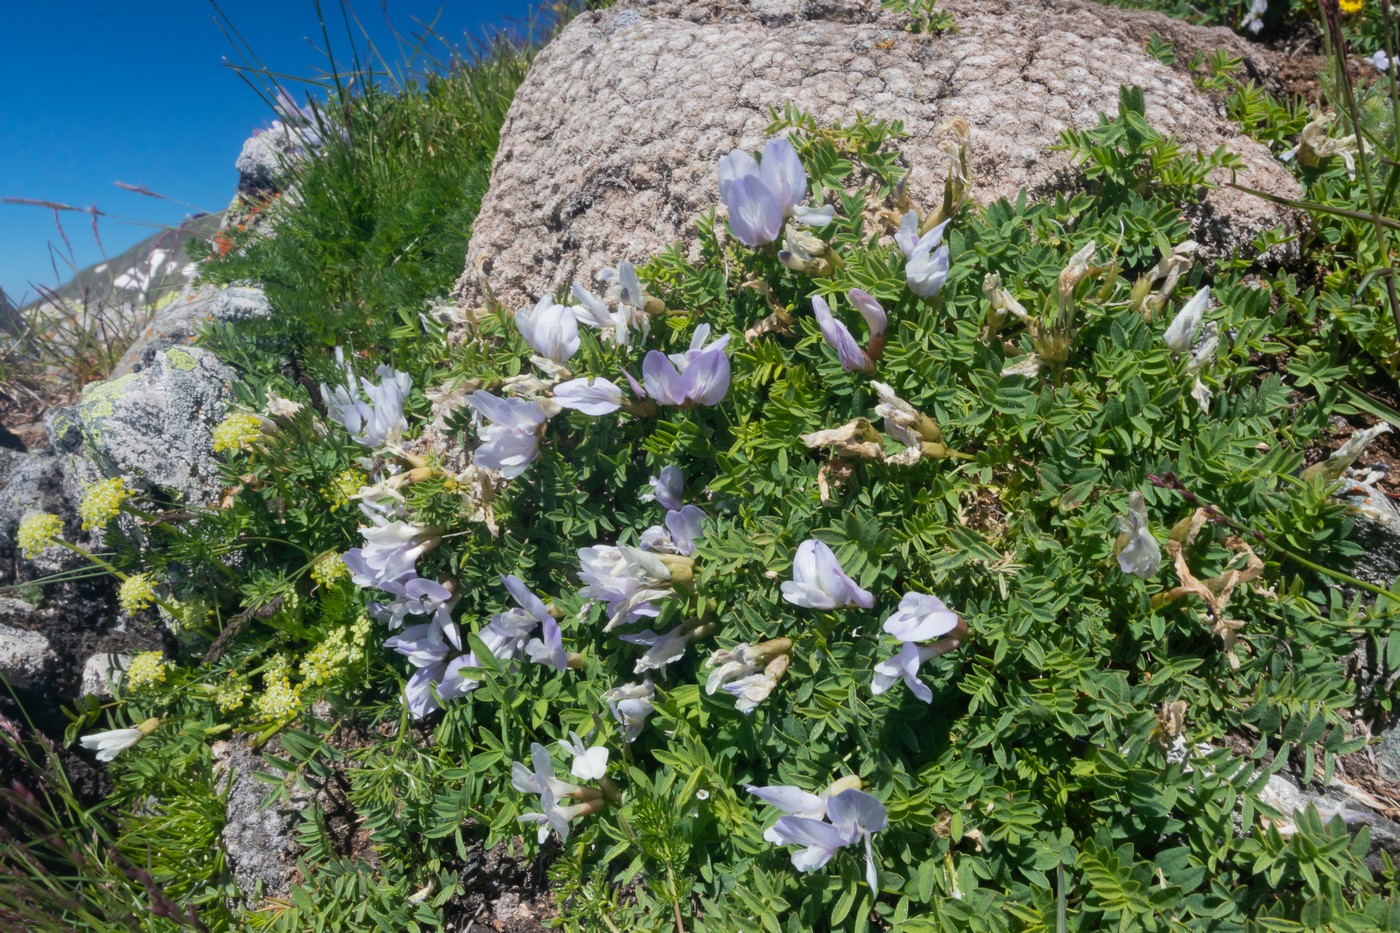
x=872, y=560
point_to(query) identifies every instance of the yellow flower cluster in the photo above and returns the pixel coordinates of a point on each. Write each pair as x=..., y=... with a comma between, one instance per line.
x=1350, y=6
x=343, y=487
x=102, y=502
x=231, y=695
x=146, y=669
x=280, y=701
x=38, y=532
x=332, y=656
x=329, y=569
x=239, y=431
x=137, y=592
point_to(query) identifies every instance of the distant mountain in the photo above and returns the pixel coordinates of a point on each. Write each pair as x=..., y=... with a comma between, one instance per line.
x=144, y=274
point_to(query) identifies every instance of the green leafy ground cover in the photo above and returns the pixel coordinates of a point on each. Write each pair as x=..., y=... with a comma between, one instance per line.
x=1095, y=745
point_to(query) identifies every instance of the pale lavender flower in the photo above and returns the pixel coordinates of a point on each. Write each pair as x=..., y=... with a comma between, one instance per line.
x=529, y=603
x=1138, y=553
x=631, y=704
x=427, y=650
x=667, y=488
x=839, y=338
x=630, y=580
x=925, y=269
x=550, y=329
x=699, y=376
x=752, y=690
x=378, y=421
x=760, y=197
x=855, y=816
x=749, y=673
x=592, y=396
x=818, y=582
x=870, y=309
x=1181, y=333
x=685, y=525
x=589, y=764
x=1254, y=19
x=905, y=664
x=662, y=649
x=921, y=617
x=391, y=549
x=542, y=780
x=1379, y=60
x=549, y=649
x=616, y=325
x=415, y=595
x=511, y=441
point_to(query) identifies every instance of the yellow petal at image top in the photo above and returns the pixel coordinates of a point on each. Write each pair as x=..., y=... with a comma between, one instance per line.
x=1351, y=6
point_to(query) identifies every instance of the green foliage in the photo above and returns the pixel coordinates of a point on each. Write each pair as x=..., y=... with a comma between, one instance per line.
x=385, y=209
x=1098, y=743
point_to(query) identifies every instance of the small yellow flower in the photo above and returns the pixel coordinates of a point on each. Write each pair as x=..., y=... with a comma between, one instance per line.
x=146, y=669
x=280, y=701
x=239, y=431
x=343, y=487
x=102, y=502
x=38, y=532
x=1350, y=6
x=329, y=569
x=231, y=695
x=137, y=592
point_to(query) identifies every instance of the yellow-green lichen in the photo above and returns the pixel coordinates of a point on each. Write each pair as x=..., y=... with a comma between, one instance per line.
x=182, y=360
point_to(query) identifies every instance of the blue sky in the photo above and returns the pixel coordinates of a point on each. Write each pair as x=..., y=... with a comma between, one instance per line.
x=100, y=92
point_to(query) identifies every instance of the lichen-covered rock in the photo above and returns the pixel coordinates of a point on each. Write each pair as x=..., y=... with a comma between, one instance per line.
x=25, y=656
x=611, y=145
x=177, y=323
x=153, y=427
x=262, y=164
x=258, y=835
x=102, y=672
x=36, y=484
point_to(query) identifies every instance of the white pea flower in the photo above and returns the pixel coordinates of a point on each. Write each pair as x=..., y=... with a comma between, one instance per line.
x=631, y=704
x=1138, y=551
x=590, y=764
x=1181, y=333
x=592, y=396
x=550, y=329
x=380, y=420
x=818, y=582
x=114, y=741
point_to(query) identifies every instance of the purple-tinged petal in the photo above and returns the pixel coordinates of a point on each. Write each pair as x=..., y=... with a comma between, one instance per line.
x=738, y=164
x=921, y=617
x=858, y=810
x=707, y=377
x=685, y=526
x=534, y=606
x=668, y=487
x=838, y=337
x=783, y=175
x=870, y=309
x=592, y=396
x=755, y=215
x=664, y=383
